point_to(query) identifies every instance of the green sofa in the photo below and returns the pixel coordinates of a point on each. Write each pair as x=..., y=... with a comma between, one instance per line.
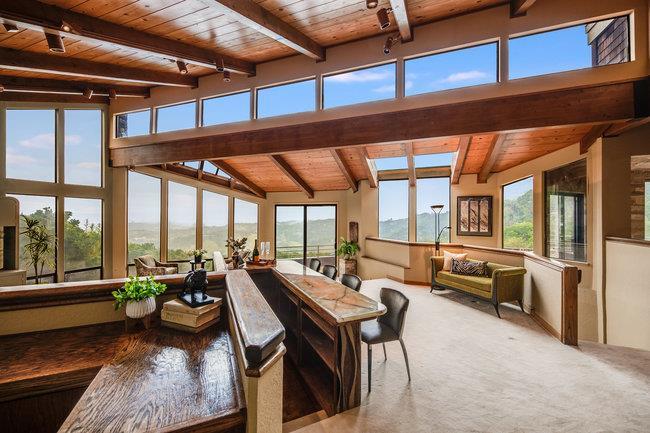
x=505, y=283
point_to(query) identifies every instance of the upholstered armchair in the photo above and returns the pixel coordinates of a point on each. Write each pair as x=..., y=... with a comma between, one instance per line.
x=147, y=265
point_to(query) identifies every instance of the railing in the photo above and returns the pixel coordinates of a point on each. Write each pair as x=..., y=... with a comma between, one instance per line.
x=326, y=253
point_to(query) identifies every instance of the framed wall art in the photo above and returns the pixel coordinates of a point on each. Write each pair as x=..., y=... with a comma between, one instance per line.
x=474, y=216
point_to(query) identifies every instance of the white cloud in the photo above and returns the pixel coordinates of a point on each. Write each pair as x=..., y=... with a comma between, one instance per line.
x=463, y=76
x=14, y=159
x=361, y=77
x=408, y=84
x=388, y=88
x=88, y=165
x=40, y=141
x=73, y=140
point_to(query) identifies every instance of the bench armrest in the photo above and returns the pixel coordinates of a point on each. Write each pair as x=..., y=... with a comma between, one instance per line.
x=508, y=284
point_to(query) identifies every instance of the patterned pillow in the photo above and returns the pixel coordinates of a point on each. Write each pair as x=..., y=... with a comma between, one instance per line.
x=468, y=267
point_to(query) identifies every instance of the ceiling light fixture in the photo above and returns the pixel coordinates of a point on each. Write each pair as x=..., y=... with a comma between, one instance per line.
x=371, y=4
x=182, y=67
x=88, y=93
x=112, y=94
x=55, y=43
x=2, y=88
x=226, y=76
x=382, y=17
x=66, y=27
x=391, y=41
x=221, y=67
x=11, y=28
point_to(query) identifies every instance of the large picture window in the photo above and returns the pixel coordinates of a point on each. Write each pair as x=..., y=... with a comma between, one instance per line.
x=83, y=239
x=181, y=215
x=598, y=43
x=565, y=191
x=288, y=98
x=83, y=147
x=518, y=215
x=215, y=223
x=226, y=109
x=31, y=143
x=362, y=85
x=143, y=216
x=245, y=218
x=394, y=209
x=432, y=191
x=452, y=69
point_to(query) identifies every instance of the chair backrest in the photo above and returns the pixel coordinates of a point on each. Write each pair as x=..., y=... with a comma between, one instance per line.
x=351, y=281
x=218, y=262
x=314, y=264
x=396, y=305
x=146, y=260
x=329, y=271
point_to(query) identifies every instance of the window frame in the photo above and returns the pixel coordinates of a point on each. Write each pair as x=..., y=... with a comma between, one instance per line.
x=286, y=83
x=102, y=156
x=305, y=206
x=503, y=214
x=408, y=209
x=223, y=95
x=160, y=213
x=321, y=94
x=159, y=107
x=116, y=115
x=416, y=204
x=234, y=215
x=101, y=241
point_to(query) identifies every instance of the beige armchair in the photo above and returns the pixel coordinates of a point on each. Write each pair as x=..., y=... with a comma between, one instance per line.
x=147, y=265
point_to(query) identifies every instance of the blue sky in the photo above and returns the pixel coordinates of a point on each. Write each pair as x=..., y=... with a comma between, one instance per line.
x=518, y=188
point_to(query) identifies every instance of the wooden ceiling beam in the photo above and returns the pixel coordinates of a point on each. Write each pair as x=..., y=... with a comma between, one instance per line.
x=590, y=137
x=338, y=156
x=410, y=163
x=459, y=159
x=49, y=64
x=519, y=8
x=62, y=87
x=38, y=16
x=284, y=166
x=256, y=17
x=619, y=128
x=581, y=105
x=496, y=146
x=207, y=177
x=400, y=13
x=239, y=177
x=368, y=166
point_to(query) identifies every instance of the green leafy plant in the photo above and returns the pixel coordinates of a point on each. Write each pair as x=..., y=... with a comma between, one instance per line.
x=137, y=289
x=236, y=244
x=41, y=245
x=196, y=253
x=347, y=249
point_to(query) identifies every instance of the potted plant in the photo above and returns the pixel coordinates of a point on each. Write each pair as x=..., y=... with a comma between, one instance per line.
x=40, y=247
x=198, y=255
x=237, y=246
x=139, y=296
x=346, y=251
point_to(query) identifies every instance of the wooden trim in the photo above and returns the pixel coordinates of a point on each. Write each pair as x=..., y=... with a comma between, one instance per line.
x=491, y=158
x=369, y=167
x=617, y=129
x=410, y=282
x=346, y=171
x=459, y=159
x=408, y=150
x=208, y=178
x=49, y=97
x=44, y=63
x=419, y=173
x=519, y=8
x=586, y=104
x=400, y=13
x=63, y=87
x=284, y=166
x=256, y=17
x=239, y=177
x=570, y=281
x=628, y=241
x=38, y=16
x=544, y=325
x=590, y=138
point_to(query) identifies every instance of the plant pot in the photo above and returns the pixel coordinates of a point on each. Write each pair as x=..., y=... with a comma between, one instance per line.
x=348, y=266
x=198, y=259
x=140, y=309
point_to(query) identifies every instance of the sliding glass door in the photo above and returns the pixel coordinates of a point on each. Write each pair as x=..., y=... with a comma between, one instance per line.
x=303, y=232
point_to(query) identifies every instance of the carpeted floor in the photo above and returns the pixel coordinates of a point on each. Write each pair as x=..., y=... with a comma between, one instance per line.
x=472, y=372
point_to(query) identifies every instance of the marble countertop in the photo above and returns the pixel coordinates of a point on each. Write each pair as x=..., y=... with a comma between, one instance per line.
x=341, y=303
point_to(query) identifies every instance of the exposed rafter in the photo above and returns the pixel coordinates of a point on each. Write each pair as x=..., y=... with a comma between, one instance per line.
x=368, y=166
x=400, y=12
x=38, y=16
x=459, y=159
x=491, y=157
x=408, y=150
x=338, y=156
x=45, y=63
x=62, y=87
x=518, y=8
x=191, y=173
x=619, y=128
x=283, y=165
x=590, y=138
x=239, y=177
x=596, y=104
x=255, y=16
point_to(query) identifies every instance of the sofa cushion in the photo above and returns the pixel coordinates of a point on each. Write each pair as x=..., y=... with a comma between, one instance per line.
x=448, y=256
x=480, y=283
x=469, y=267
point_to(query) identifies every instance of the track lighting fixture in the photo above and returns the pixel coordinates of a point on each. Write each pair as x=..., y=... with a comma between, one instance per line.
x=88, y=93
x=66, y=27
x=382, y=17
x=226, y=76
x=2, y=88
x=182, y=67
x=55, y=43
x=221, y=67
x=391, y=41
x=112, y=94
x=371, y=4
x=11, y=28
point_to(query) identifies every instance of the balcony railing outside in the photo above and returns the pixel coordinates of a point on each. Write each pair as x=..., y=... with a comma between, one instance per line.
x=325, y=253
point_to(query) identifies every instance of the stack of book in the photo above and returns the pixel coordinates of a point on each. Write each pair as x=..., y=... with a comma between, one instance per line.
x=178, y=315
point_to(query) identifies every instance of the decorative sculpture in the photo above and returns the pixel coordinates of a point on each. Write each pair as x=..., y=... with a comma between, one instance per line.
x=197, y=283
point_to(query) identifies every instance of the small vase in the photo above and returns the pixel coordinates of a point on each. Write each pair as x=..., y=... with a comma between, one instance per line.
x=139, y=309
x=198, y=259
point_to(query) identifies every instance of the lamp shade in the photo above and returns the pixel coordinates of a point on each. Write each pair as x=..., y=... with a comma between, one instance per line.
x=437, y=207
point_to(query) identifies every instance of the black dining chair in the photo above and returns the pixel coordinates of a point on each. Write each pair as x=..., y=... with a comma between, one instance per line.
x=314, y=264
x=387, y=328
x=329, y=271
x=351, y=281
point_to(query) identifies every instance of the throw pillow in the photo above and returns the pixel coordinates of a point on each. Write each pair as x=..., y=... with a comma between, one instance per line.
x=469, y=267
x=446, y=266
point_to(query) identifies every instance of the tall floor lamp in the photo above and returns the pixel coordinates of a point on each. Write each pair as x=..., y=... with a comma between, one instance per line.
x=437, y=209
